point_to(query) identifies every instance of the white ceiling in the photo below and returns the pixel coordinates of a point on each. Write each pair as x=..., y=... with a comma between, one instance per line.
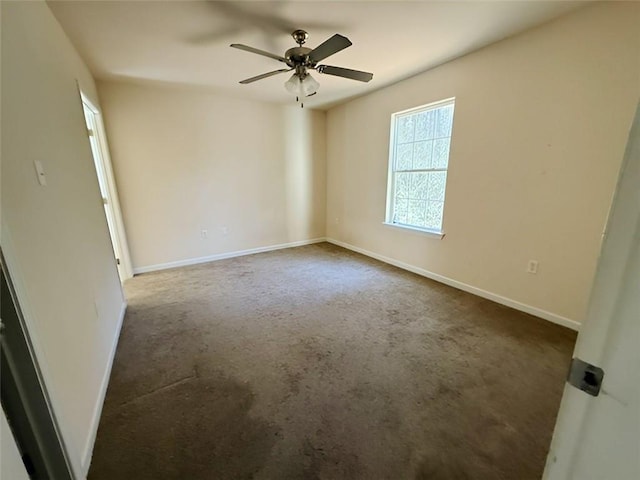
x=187, y=42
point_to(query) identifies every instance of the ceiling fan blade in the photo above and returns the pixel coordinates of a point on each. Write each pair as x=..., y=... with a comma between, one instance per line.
x=345, y=72
x=329, y=47
x=247, y=48
x=265, y=75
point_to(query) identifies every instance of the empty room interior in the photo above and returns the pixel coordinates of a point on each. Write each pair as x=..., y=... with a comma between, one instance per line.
x=304, y=240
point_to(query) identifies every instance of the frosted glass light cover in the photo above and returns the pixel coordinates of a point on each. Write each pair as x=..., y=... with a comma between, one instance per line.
x=301, y=88
x=293, y=85
x=309, y=85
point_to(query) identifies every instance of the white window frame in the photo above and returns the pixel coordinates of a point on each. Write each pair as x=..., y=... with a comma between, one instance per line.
x=391, y=171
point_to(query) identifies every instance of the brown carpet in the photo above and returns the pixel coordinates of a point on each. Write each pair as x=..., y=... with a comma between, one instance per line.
x=319, y=363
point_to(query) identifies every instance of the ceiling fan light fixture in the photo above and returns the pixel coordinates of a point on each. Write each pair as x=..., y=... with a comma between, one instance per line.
x=309, y=85
x=293, y=85
x=301, y=87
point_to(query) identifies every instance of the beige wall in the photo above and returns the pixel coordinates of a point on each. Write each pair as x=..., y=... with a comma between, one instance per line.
x=55, y=237
x=541, y=122
x=187, y=161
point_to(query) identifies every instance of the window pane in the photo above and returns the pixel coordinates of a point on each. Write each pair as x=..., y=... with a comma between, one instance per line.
x=445, y=120
x=440, y=153
x=404, y=130
x=437, y=182
x=403, y=185
x=420, y=158
x=419, y=186
x=425, y=125
x=434, y=215
x=404, y=155
x=400, y=207
x=417, y=212
x=422, y=152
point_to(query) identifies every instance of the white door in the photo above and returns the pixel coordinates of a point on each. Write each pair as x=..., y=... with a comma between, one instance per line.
x=598, y=437
x=95, y=130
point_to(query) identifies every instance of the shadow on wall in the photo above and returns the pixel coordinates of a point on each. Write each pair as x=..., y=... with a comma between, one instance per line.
x=305, y=172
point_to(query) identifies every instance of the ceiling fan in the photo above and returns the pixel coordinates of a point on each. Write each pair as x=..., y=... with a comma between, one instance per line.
x=302, y=59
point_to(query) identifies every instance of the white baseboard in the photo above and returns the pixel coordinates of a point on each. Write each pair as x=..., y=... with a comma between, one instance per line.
x=97, y=411
x=552, y=317
x=222, y=256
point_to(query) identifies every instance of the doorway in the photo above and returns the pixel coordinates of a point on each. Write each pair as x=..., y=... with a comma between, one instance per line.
x=108, y=192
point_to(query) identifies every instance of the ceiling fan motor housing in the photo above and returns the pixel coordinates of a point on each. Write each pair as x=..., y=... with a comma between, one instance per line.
x=298, y=56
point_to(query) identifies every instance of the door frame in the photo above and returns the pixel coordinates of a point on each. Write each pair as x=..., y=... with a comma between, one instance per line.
x=104, y=170
x=25, y=399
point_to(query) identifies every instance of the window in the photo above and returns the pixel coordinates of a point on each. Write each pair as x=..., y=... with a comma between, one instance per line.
x=418, y=161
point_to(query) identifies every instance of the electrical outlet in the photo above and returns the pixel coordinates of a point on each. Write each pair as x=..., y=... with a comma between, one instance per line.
x=532, y=266
x=204, y=234
x=225, y=230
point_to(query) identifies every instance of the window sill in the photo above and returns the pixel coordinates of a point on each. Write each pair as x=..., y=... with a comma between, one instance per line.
x=420, y=231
